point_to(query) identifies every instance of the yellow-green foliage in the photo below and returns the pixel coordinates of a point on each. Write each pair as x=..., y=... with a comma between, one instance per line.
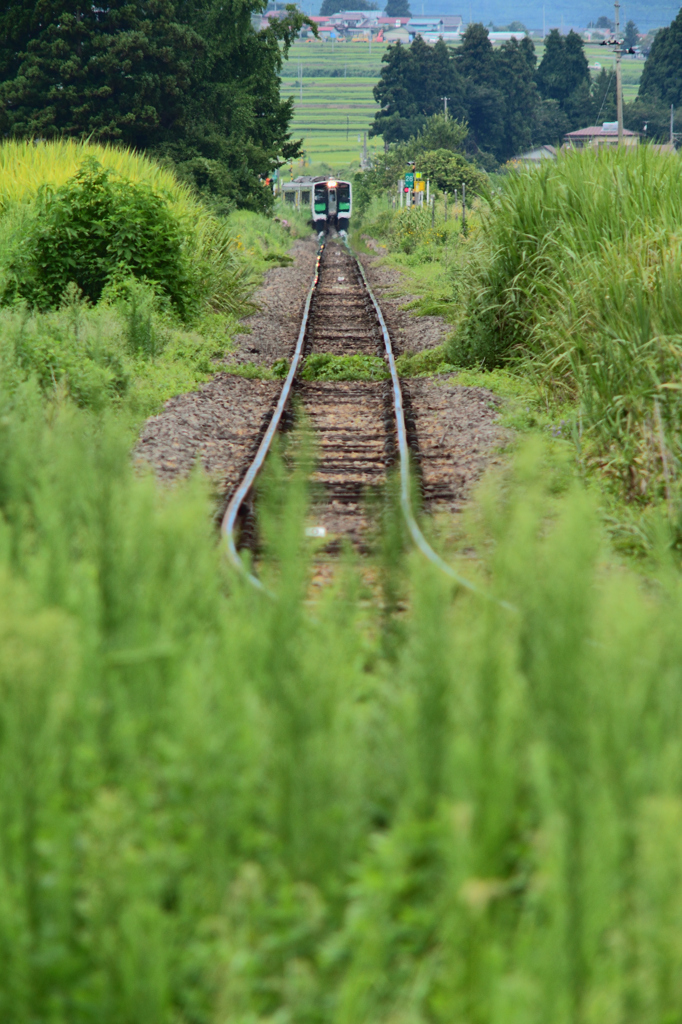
x=26, y=166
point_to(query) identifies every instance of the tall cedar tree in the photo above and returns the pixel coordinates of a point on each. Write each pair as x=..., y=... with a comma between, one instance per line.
x=564, y=76
x=516, y=61
x=330, y=7
x=662, y=75
x=398, y=9
x=190, y=81
x=631, y=37
x=493, y=90
x=413, y=81
x=478, y=65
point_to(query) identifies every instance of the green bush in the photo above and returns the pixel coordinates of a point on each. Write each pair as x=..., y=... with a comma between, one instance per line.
x=96, y=229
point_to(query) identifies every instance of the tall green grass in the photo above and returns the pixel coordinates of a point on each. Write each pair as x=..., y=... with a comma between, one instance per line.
x=577, y=275
x=218, y=807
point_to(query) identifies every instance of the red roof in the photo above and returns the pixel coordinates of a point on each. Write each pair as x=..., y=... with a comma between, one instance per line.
x=586, y=133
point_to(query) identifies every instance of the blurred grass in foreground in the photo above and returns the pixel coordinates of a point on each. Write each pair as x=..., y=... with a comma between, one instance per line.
x=216, y=807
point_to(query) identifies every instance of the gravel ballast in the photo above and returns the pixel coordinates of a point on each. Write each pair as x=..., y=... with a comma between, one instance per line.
x=219, y=426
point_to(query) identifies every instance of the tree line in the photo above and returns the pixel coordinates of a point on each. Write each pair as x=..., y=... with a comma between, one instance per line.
x=508, y=100
x=190, y=82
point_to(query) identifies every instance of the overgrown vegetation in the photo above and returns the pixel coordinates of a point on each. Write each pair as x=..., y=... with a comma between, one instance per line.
x=118, y=287
x=577, y=276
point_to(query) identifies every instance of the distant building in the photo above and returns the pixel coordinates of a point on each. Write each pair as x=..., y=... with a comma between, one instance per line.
x=437, y=27
x=600, y=135
x=537, y=155
x=397, y=35
x=504, y=37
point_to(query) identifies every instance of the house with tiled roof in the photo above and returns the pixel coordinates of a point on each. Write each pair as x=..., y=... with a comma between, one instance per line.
x=600, y=135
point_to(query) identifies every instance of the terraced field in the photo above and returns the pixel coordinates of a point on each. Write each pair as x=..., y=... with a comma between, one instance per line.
x=334, y=103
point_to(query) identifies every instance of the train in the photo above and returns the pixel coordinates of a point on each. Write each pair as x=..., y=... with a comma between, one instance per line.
x=330, y=200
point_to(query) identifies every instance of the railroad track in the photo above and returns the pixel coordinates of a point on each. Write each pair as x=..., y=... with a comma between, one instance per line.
x=359, y=426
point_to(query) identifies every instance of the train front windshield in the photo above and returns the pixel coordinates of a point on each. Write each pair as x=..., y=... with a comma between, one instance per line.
x=343, y=197
x=320, y=199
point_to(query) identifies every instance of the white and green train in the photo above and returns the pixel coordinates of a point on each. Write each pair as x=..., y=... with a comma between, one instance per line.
x=330, y=200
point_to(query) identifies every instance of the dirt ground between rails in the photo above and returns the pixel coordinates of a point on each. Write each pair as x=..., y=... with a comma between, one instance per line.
x=219, y=426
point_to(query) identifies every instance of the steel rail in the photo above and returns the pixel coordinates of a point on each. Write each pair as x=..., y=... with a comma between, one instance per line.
x=239, y=496
x=403, y=448
x=236, y=501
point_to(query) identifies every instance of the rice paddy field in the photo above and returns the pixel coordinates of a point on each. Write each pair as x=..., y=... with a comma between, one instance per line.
x=332, y=86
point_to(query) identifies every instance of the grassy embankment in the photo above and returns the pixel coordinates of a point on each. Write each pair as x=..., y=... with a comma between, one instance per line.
x=216, y=807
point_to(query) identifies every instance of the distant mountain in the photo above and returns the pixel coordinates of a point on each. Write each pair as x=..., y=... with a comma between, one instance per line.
x=647, y=14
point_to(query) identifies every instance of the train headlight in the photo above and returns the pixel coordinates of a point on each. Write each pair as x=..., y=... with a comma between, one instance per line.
x=332, y=184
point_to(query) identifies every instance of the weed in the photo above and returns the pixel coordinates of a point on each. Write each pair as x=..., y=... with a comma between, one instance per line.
x=323, y=366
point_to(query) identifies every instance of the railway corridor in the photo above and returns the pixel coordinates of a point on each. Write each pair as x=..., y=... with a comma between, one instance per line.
x=353, y=421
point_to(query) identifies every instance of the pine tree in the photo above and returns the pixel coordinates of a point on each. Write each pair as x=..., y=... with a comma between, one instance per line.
x=662, y=75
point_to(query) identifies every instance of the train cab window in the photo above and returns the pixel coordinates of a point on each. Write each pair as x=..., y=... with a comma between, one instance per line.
x=343, y=191
x=320, y=199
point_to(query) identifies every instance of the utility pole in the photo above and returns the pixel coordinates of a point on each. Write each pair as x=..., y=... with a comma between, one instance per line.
x=672, y=125
x=619, y=79
x=445, y=105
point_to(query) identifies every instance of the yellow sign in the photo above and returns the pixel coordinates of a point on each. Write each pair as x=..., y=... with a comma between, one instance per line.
x=419, y=186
